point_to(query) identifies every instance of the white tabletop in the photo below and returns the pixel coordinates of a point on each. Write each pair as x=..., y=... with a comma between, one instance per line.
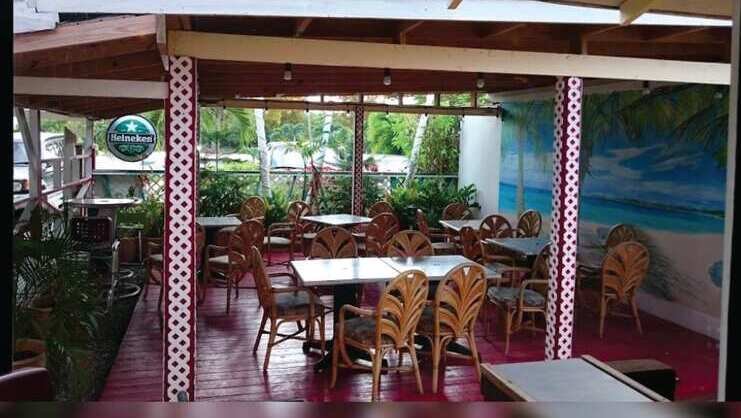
x=435, y=267
x=456, y=225
x=341, y=271
x=526, y=246
x=338, y=219
x=218, y=221
x=570, y=380
x=102, y=202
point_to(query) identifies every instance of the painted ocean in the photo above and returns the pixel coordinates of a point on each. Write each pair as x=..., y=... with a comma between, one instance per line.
x=608, y=212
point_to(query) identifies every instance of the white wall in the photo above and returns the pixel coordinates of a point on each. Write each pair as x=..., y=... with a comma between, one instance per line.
x=480, y=156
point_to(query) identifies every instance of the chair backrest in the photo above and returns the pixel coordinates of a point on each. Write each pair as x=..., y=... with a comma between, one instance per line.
x=409, y=244
x=495, y=226
x=380, y=207
x=252, y=233
x=456, y=211
x=422, y=225
x=296, y=210
x=400, y=307
x=471, y=244
x=459, y=298
x=618, y=234
x=379, y=232
x=262, y=280
x=91, y=230
x=253, y=207
x=30, y=384
x=239, y=255
x=333, y=242
x=541, y=270
x=624, y=268
x=200, y=243
x=529, y=224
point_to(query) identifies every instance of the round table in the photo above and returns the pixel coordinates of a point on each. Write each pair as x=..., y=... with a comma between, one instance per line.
x=104, y=206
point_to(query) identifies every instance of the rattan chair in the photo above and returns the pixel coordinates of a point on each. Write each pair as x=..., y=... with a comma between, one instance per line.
x=374, y=210
x=252, y=209
x=289, y=233
x=452, y=314
x=529, y=297
x=409, y=244
x=589, y=274
x=284, y=305
x=223, y=267
x=456, y=211
x=439, y=240
x=623, y=271
x=473, y=249
x=379, y=232
x=390, y=327
x=529, y=224
x=496, y=226
x=333, y=242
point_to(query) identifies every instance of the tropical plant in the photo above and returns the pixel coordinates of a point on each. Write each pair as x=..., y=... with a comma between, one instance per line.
x=440, y=148
x=222, y=193
x=149, y=215
x=276, y=207
x=431, y=196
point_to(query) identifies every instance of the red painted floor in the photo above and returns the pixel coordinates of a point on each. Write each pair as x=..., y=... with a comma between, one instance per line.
x=227, y=369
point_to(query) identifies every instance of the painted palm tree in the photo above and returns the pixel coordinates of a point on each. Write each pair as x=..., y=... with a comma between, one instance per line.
x=598, y=122
x=692, y=113
x=525, y=119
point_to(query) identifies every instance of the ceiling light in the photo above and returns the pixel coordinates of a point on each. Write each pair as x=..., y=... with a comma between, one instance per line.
x=386, y=77
x=288, y=73
x=480, y=82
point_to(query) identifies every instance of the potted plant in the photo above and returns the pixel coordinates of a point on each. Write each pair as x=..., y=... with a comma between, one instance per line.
x=149, y=218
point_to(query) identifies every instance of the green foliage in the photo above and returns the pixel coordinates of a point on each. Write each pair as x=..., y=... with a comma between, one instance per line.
x=233, y=129
x=439, y=150
x=391, y=133
x=276, y=208
x=221, y=193
x=429, y=195
x=149, y=215
x=336, y=195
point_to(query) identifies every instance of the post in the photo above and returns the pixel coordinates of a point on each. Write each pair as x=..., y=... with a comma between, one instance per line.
x=179, y=275
x=7, y=288
x=357, y=162
x=87, y=147
x=729, y=380
x=70, y=166
x=564, y=218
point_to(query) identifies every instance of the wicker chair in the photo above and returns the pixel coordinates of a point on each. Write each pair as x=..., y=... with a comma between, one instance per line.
x=623, y=271
x=445, y=246
x=154, y=263
x=333, y=242
x=588, y=275
x=289, y=233
x=530, y=297
x=456, y=211
x=221, y=265
x=452, y=314
x=390, y=327
x=409, y=244
x=252, y=209
x=380, y=231
x=473, y=249
x=284, y=305
x=529, y=224
x=496, y=226
x=374, y=210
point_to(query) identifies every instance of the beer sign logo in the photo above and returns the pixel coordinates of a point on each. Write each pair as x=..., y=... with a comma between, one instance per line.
x=131, y=138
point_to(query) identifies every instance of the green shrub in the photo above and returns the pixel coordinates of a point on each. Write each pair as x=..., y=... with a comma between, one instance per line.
x=430, y=195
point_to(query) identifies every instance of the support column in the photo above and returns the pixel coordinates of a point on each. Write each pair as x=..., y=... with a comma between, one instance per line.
x=179, y=281
x=564, y=218
x=357, y=162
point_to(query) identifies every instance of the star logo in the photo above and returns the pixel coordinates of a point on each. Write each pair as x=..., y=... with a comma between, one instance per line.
x=131, y=126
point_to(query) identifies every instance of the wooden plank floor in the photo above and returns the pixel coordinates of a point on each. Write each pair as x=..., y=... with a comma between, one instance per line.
x=227, y=369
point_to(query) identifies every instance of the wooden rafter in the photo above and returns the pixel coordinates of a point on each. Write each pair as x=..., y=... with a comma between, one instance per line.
x=85, y=87
x=301, y=26
x=406, y=27
x=453, y=4
x=504, y=30
x=677, y=33
x=631, y=10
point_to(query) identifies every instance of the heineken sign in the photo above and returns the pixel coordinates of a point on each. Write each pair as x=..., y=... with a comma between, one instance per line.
x=131, y=138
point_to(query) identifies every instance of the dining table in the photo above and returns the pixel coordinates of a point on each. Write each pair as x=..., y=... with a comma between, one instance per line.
x=457, y=225
x=525, y=247
x=341, y=220
x=103, y=206
x=346, y=275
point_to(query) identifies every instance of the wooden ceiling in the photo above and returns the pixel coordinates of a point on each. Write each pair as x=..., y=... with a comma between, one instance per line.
x=125, y=47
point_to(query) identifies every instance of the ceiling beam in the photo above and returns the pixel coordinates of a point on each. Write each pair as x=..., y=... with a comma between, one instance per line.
x=677, y=33
x=247, y=48
x=631, y=10
x=505, y=30
x=301, y=26
x=87, y=87
x=453, y=4
x=161, y=40
x=406, y=27
x=86, y=33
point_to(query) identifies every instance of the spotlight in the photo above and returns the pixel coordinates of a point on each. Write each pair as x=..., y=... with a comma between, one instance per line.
x=386, y=77
x=480, y=82
x=288, y=73
x=646, y=88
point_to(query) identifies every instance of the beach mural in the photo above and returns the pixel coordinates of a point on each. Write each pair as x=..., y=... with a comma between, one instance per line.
x=655, y=160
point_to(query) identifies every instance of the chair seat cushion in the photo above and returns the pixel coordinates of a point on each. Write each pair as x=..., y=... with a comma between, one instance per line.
x=358, y=235
x=227, y=229
x=363, y=330
x=509, y=296
x=295, y=304
x=222, y=259
x=276, y=241
x=426, y=323
x=309, y=235
x=157, y=258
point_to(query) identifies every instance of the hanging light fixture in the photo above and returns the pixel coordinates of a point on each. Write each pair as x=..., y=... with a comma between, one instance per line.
x=288, y=73
x=480, y=82
x=386, y=77
x=646, y=88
